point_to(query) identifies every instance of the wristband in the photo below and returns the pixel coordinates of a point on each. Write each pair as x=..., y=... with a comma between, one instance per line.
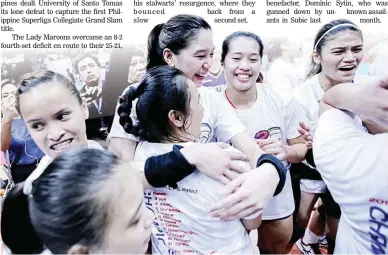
x=282, y=171
x=167, y=169
x=310, y=158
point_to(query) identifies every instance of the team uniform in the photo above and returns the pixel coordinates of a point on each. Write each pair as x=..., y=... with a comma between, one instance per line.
x=353, y=164
x=46, y=160
x=309, y=94
x=272, y=116
x=214, y=80
x=182, y=222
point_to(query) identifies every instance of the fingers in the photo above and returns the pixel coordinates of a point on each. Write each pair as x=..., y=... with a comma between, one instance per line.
x=309, y=144
x=88, y=100
x=264, y=142
x=302, y=131
x=231, y=175
x=99, y=91
x=222, y=145
x=272, y=146
x=238, y=167
x=304, y=126
x=232, y=186
x=226, y=214
x=89, y=90
x=224, y=203
x=237, y=155
x=224, y=180
x=243, y=213
x=94, y=90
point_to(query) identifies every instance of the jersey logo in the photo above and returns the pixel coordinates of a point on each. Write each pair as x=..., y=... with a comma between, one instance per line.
x=206, y=131
x=274, y=132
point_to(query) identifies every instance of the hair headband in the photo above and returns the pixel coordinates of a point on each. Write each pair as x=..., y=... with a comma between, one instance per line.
x=331, y=29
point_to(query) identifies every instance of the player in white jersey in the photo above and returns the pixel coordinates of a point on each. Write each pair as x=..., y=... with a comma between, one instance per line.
x=270, y=119
x=336, y=55
x=61, y=128
x=186, y=42
x=283, y=74
x=170, y=114
x=353, y=164
x=55, y=116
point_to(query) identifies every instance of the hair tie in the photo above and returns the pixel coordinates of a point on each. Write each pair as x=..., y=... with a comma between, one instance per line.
x=123, y=98
x=331, y=29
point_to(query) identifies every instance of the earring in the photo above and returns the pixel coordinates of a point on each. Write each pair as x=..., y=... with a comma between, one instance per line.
x=171, y=64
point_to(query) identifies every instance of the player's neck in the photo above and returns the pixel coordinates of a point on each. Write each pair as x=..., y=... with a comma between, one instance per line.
x=326, y=83
x=240, y=99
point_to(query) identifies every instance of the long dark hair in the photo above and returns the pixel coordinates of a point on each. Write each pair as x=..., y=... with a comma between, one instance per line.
x=175, y=35
x=162, y=89
x=65, y=207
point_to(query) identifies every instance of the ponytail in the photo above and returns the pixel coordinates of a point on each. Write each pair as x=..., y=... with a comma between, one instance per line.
x=155, y=55
x=314, y=69
x=17, y=231
x=124, y=112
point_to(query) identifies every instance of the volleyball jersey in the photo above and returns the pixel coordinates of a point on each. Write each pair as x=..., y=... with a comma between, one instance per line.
x=272, y=116
x=46, y=160
x=309, y=94
x=353, y=164
x=182, y=222
x=215, y=80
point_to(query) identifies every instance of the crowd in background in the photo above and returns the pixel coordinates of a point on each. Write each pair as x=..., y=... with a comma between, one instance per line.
x=101, y=77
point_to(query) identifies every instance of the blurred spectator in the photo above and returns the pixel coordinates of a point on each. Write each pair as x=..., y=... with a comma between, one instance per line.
x=283, y=74
x=137, y=67
x=88, y=68
x=216, y=76
x=24, y=154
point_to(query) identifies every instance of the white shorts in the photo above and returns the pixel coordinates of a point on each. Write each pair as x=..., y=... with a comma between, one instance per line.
x=313, y=186
x=282, y=205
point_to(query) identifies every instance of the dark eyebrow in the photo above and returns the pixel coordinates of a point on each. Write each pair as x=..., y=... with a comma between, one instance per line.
x=61, y=111
x=253, y=54
x=340, y=48
x=203, y=51
x=200, y=51
x=32, y=120
x=56, y=114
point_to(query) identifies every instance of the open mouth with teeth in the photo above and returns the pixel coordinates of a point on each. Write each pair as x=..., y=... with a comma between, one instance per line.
x=200, y=76
x=347, y=68
x=243, y=77
x=58, y=147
